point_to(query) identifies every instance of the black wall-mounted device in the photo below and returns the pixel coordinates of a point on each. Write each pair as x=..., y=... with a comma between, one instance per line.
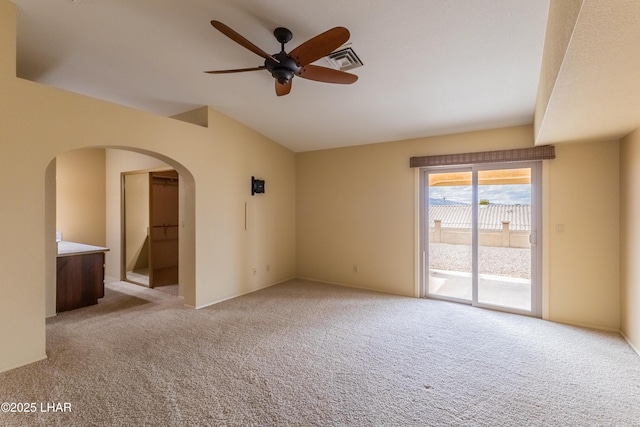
x=257, y=186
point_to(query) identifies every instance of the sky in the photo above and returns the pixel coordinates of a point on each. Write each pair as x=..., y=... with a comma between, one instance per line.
x=506, y=194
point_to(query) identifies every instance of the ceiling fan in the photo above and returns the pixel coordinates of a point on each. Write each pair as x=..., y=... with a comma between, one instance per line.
x=285, y=66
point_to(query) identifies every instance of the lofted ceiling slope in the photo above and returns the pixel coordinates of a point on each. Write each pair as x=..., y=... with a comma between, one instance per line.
x=430, y=67
x=596, y=92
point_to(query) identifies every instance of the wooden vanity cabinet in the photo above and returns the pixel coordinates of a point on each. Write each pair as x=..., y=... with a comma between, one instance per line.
x=80, y=280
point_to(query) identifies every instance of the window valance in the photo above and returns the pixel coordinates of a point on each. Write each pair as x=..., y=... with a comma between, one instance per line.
x=543, y=152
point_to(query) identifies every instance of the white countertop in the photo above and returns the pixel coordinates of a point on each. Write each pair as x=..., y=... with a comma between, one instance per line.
x=73, y=248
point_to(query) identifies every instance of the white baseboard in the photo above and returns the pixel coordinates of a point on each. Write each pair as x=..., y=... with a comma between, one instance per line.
x=584, y=325
x=345, y=285
x=626, y=338
x=239, y=295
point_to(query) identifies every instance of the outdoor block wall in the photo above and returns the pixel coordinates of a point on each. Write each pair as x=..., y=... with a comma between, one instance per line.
x=462, y=236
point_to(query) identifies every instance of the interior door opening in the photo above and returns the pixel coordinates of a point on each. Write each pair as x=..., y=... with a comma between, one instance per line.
x=480, y=236
x=150, y=214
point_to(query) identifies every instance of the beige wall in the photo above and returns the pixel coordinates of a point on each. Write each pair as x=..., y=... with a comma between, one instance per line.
x=630, y=238
x=80, y=196
x=7, y=39
x=39, y=123
x=584, y=197
x=357, y=206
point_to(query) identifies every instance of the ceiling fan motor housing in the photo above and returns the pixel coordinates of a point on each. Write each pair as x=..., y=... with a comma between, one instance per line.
x=284, y=69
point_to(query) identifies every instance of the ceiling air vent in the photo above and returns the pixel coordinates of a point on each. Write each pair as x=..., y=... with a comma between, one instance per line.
x=344, y=59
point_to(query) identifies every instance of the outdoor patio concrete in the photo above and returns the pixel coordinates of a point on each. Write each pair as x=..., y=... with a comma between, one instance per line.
x=508, y=292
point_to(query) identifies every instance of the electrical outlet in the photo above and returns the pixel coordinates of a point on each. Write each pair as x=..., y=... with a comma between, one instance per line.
x=356, y=268
x=255, y=271
x=268, y=268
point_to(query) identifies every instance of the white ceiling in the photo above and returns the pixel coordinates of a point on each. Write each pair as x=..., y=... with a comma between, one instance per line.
x=430, y=66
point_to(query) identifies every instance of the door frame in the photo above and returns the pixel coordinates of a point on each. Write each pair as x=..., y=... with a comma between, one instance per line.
x=535, y=237
x=123, y=208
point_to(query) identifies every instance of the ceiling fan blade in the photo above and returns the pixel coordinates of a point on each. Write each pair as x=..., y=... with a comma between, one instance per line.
x=320, y=46
x=237, y=70
x=327, y=75
x=239, y=39
x=283, y=88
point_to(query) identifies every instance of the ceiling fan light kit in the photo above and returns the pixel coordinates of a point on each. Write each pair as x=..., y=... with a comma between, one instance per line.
x=285, y=66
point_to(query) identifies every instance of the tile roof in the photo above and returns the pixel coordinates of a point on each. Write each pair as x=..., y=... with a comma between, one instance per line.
x=490, y=217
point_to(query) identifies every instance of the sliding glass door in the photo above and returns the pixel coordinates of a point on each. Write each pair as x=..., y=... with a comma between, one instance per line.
x=480, y=236
x=450, y=250
x=504, y=238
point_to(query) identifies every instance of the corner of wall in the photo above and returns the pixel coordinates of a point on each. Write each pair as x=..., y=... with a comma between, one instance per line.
x=561, y=21
x=630, y=238
x=51, y=247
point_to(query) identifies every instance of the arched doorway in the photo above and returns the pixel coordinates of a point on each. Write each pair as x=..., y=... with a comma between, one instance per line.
x=117, y=158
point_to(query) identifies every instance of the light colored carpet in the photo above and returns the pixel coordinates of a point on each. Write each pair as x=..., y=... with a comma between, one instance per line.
x=306, y=354
x=168, y=289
